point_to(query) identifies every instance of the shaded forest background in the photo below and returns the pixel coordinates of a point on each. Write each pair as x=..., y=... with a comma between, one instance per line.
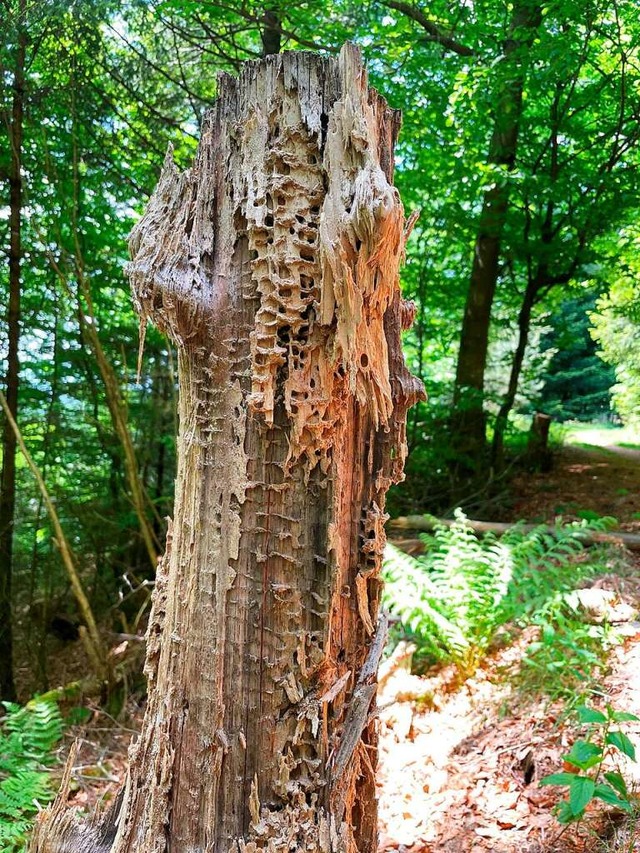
x=520, y=149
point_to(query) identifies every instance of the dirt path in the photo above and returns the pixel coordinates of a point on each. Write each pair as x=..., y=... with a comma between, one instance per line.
x=584, y=479
x=462, y=775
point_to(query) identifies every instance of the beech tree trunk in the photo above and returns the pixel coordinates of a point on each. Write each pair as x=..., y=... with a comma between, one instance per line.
x=273, y=265
x=469, y=418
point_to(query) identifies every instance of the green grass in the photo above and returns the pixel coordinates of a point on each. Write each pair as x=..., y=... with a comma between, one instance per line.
x=600, y=435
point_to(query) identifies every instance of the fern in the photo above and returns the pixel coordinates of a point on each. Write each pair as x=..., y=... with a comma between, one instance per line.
x=454, y=598
x=28, y=737
x=415, y=597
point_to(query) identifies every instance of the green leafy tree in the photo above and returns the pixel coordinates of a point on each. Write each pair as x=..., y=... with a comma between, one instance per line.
x=616, y=322
x=555, y=190
x=576, y=380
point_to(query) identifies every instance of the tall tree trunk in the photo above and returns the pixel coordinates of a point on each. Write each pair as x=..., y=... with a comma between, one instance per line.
x=273, y=265
x=524, y=324
x=271, y=34
x=115, y=401
x=89, y=631
x=469, y=419
x=535, y=285
x=119, y=418
x=8, y=476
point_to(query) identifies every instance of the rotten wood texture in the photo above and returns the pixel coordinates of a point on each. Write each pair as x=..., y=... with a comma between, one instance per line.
x=427, y=523
x=273, y=266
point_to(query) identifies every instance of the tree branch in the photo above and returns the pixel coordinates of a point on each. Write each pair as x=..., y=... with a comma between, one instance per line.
x=433, y=31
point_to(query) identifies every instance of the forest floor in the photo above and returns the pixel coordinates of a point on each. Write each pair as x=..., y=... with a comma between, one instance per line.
x=585, y=480
x=459, y=768
x=460, y=762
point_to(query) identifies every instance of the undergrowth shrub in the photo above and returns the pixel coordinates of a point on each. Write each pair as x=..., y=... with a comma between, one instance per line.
x=596, y=765
x=570, y=653
x=452, y=600
x=28, y=738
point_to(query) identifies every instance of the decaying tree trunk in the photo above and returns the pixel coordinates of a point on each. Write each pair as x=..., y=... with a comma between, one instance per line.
x=273, y=265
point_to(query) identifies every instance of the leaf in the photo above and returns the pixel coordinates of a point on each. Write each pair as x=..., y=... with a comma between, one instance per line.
x=590, y=715
x=616, y=780
x=584, y=754
x=558, y=779
x=623, y=717
x=564, y=813
x=608, y=795
x=580, y=793
x=622, y=742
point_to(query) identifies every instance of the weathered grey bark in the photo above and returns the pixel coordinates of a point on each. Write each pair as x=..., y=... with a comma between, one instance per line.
x=273, y=265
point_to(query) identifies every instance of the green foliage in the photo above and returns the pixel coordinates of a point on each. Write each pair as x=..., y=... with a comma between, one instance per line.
x=576, y=380
x=588, y=756
x=110, y=84
x=569, y=654
x=28, y=738
x=453, y=599
x=558, y=205
x=616, y=322
x=449, y=598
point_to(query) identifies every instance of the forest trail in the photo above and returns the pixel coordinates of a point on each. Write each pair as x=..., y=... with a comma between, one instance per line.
x=586, y=480
x=456, y=760
x=463, y=776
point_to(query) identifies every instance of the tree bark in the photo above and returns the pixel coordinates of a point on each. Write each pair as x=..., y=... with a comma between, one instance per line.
x=539, y=456
x=469, y=419
x=8, y=475
x=271, y=33
x=273, y=265
x=119, y=417
x=502, y=418
x=536, y=285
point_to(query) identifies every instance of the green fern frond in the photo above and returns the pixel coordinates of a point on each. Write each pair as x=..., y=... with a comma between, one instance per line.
x=453, y=598
x=28, y=738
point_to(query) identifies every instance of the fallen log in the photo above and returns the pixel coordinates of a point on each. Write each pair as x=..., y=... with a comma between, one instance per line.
x=428, y=523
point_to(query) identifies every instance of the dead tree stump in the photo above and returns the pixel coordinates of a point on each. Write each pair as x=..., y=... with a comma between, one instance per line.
x=539, y=457
x=273, y=266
